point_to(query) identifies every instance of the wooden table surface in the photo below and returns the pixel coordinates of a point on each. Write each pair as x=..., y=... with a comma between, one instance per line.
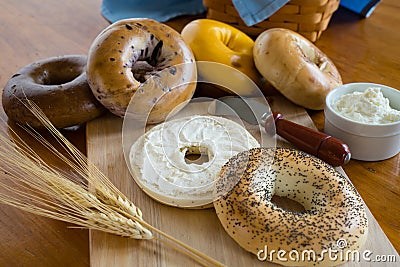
x=364, y=50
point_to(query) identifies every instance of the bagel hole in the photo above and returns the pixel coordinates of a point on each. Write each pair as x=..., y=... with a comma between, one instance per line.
x=62, y=75
x=313, y=55
x=288, y=204
x=196, y=155
x=141, y=70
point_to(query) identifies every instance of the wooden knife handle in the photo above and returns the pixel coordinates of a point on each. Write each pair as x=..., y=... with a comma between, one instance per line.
x=321, y=145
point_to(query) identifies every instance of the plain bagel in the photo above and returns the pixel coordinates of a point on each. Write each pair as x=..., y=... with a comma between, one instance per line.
x=334, y=211
x=295, y=67
x=127, y=53
x=58, y=86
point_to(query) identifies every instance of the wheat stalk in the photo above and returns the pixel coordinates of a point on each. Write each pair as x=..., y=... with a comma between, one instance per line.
x=91, y=201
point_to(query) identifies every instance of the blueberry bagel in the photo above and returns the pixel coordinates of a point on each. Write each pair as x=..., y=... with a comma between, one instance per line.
x=127, y=53
x=58, y=86
x=334, y=211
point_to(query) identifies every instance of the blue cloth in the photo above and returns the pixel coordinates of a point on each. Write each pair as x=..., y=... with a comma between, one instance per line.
x=362, y=7
x=254, y=11
x=160, y=10
x=251, y=11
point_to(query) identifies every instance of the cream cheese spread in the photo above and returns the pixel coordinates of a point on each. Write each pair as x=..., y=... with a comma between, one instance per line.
x=158, y=157
x=369, y=106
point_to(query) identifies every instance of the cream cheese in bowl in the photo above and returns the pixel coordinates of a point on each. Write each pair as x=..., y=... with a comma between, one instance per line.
x=370, y=106
x=366, y=117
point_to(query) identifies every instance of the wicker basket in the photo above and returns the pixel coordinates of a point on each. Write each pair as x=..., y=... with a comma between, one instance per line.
x=307, y=17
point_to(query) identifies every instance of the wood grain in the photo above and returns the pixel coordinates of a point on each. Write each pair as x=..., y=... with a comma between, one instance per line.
x=367, y=50
x=29, y=31
x=363, y=50
x=200, y=229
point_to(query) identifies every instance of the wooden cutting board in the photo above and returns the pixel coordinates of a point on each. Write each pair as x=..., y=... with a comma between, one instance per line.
x=200, y=229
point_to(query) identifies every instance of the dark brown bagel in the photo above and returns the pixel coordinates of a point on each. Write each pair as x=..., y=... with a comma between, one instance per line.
x=58, y=86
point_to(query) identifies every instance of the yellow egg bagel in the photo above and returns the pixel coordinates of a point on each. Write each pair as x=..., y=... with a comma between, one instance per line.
x=215, y=41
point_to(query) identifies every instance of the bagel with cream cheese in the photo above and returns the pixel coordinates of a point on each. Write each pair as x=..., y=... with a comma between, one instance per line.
x=125, y=54
x=158, y=159
x=58, y=86
x=295, y=67
x=219, y=42
x=334, y=217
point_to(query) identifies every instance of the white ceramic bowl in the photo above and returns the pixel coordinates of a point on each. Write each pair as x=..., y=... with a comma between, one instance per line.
x=369, y=142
